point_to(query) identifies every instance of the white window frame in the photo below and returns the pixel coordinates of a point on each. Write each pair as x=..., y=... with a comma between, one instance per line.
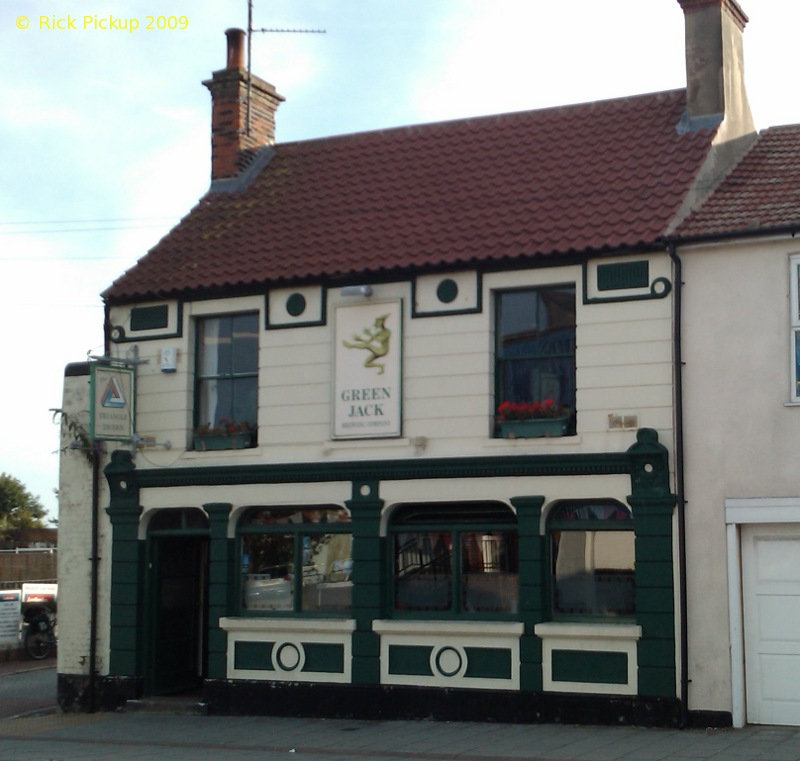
x=794, y=327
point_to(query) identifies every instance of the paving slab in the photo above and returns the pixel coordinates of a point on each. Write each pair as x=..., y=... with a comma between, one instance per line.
x=130, y=736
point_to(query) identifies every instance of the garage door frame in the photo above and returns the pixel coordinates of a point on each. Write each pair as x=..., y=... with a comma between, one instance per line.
x=738, y=512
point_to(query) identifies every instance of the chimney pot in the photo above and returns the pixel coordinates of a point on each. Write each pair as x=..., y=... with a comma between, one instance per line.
x=235, y=48
x=235, y=138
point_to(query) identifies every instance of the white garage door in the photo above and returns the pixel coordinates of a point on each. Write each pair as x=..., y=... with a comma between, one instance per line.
x=771, y=586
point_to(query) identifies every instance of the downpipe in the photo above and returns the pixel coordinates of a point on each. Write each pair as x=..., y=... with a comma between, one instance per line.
x=680, y=485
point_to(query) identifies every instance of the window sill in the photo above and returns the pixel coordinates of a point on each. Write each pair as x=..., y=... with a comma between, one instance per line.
x=196, y=454
x=460, y=628
x=542, y=441
x=295, y=624
x=600, y=630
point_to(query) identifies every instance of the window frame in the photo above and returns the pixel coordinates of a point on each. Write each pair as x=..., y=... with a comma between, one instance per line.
x=201, y=378
x=553, y=524
x=794, y=328
x=503, y=360
x=460, y=524
x=297, y=530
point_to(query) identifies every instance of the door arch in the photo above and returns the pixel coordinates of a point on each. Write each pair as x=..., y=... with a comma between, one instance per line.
x=176, y=605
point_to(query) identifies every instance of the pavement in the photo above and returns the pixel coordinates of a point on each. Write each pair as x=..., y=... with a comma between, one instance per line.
x=129, y=736
x=147, y=734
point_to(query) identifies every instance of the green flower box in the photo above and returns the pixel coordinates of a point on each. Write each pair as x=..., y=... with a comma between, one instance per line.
x=533, y=429
x=208, y=442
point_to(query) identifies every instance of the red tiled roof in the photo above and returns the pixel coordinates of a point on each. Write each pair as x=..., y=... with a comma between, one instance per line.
x=587, y=178
x=760, y=194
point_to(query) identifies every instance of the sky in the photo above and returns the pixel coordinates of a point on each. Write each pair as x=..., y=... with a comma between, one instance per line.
x=105, y=131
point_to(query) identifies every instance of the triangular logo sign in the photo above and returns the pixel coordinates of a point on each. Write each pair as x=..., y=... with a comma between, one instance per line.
x=113, y=396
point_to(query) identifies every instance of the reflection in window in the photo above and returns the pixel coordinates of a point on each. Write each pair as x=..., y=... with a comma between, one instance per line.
x=592, y=554
x=296, y=559
x=227, y=375
x=455, y=559
x=535, y=346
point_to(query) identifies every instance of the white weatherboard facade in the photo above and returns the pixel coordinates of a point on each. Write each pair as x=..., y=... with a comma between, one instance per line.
x=742, y=429
x=624, y=370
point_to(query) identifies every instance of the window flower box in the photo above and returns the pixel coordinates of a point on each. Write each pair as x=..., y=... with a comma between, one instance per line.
x=224, y=435
x=533, y=429
x=531, y=420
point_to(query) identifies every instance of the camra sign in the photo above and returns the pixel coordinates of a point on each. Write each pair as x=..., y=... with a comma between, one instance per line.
x=368, y=372
x=111, y=417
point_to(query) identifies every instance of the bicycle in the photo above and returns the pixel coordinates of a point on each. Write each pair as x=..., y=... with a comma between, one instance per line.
x=40, y=636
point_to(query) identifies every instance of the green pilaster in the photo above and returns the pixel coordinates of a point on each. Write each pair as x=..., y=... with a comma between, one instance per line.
x=369, y=579
x=531, y=587
x=127, y=556
x=653, y=507
x=221, y=586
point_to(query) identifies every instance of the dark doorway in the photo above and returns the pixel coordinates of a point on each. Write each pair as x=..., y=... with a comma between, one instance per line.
x=178, y=605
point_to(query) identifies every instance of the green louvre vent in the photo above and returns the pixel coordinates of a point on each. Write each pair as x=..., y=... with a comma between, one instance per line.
x=150, y=318
x=623, y=276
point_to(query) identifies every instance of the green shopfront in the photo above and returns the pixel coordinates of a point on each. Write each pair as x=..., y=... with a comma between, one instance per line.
x=515, y=588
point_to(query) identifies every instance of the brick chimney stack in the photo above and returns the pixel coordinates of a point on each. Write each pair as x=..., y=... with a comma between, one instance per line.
x=233, y=146
x=715, y=63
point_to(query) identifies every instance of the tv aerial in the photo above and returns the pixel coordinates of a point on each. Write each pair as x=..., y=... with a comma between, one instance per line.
x=266, y=30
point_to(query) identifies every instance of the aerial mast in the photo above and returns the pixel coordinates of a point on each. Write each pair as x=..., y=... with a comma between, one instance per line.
x=250, y=31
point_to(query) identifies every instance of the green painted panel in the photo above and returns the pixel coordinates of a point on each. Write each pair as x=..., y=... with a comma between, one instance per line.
x=623, y=275
x=366, y=670
x=217, y=665
x=658, y=682
x=124, y=615
x=123, y=663
x=366, y=549
x=658, y=600
x=124, y=572
x=124, y=638
x=369, y=596
x=149, y=318
x=366, y=644
x=127, y=551
x=653, y=548
x=124, y=594
x=653, y=574
x=413, y=660
x=657, y=625
x=219, y=552
x=656, y=652
x=488, y=663
x=217, y=640
x=255, y=656
x=590, y=666
x=324, y=657
x=218, y=594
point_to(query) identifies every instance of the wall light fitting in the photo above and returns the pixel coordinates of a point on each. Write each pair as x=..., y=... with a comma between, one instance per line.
x=357, y=290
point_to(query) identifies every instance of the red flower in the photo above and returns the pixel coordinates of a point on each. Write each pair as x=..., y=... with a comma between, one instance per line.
x=529, y=410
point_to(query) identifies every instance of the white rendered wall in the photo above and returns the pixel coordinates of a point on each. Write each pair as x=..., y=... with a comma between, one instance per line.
x=742, y=436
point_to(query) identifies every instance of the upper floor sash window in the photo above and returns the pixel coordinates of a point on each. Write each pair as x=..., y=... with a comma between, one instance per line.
x=535, y=352
x=227, y=378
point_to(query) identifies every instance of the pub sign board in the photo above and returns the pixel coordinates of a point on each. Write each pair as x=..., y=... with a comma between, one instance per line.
x=111, y=413
x=368, y=374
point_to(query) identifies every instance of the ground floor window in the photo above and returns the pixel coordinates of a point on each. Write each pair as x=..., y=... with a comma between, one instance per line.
x=454, y=559
x=296, y=560
x=591, y=544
